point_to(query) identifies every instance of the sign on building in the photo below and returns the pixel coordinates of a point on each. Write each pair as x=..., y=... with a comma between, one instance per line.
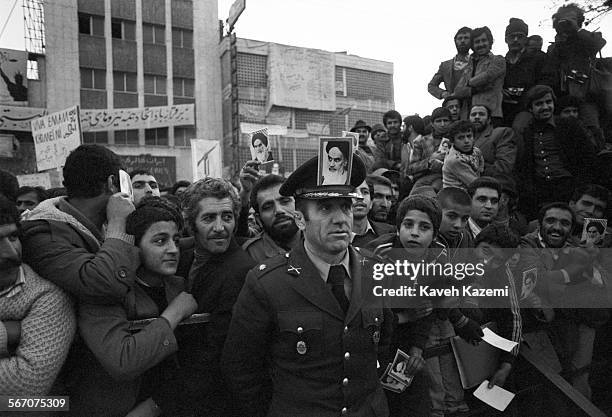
x=19, y=118
x=137, y=118
x=14, y=84
x=206, y=159
x=55, y=135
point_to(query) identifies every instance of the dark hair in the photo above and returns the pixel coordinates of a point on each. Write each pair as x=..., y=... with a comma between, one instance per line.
x=378, y=179
x=416, y=122
x=261, y=184
x=479, y=31
x=450, y=98
x=87, y=169
x=139, y=171
x=572, y=7
x=8, y=185
x=481, y=105
x=422, y=203
x=464, y=29
x=439, y=112
x=537, y=92
x=460, y=126
x=151, y=210
x=41, y=194
x=567, y=101
x=556, y=205
x=484, y=182
x=537, y=38
x=453, y=195
x=593, y=190
x=178, y=185
x=499, y=235
x=208, y=187
x=391, y=114
x=600, y=227
x=342, y=146
x=261, y=136
x=8, y=212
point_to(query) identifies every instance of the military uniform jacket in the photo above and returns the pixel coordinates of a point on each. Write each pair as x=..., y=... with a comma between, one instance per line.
x=287, y=325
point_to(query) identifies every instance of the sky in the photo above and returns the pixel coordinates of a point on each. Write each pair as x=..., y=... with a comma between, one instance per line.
x=414, y=35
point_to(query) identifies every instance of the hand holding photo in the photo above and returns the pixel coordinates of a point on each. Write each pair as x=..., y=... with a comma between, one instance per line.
x=125, y=184
x=335, y=161
x=593, y=231
x=398, y=368
x=260, y=146
x=390, y=383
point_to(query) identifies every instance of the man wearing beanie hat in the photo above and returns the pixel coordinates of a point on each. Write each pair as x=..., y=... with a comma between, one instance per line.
x=523, y=71
x=427, y=158
x=301, y=318
x=555, y=156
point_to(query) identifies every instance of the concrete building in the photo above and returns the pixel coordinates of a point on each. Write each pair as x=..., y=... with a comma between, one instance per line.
x=112, y=54
x=365, y=86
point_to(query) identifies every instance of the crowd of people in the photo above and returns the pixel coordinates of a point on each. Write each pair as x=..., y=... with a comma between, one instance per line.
x=248, y=299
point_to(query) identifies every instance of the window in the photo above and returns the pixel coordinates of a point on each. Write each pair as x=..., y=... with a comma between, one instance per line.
x=95, y=137
x=183, y=87
x=183, y=136
x=123, y=29
x=155, y=84
x=182, y=38
x=124, y=81
x=93, y=78
x=153, y=34
x=126, y=137
x=32, y=69
x=156, y=137
x=91, y=25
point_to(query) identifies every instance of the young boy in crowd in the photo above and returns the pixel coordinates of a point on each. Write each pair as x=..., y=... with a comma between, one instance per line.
x=464, y=162
x=456, y=206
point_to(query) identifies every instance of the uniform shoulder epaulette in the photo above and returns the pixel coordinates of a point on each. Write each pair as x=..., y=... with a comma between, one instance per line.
x=270, y=265
x=369, y=254
x=250, y=241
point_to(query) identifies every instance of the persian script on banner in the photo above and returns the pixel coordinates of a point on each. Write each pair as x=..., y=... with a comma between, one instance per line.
x=55, y=135
x=93, y=120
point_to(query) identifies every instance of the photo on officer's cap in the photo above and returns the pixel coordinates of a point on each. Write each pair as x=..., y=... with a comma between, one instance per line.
x=259, y=144
x=335, y=161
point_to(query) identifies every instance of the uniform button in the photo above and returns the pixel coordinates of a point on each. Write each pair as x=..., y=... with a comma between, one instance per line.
x=345, y=382
x=300, y=330
x=122, y=273
x=347, y=356
x=344, y=411
x=376, y=320
x=166, y=342
x=345, y=329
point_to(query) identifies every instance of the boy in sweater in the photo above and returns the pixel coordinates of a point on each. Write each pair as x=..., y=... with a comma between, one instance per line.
x=37, y=321
x=464, y=162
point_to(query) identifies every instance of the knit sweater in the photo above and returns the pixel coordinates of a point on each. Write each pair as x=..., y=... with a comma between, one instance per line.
x=47, y=328
x=460, y=169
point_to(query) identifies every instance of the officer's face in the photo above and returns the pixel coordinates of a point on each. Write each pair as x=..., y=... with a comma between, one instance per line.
x=215, y=224
x=328, y=224
x=159, y=248
x=416, y=232
x=276, y=213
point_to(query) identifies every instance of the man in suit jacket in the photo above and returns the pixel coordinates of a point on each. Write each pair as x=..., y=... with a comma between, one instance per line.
x=452, y=71
x=302, y=320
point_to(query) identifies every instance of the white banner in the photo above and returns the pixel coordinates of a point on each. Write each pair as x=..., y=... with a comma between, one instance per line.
x=55, y=135
x=19, y=118
x=206, y=159
x=301, y=78
x=42, y=179
x=93, y=120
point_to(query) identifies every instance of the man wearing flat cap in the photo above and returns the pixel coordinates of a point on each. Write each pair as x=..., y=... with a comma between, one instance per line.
x=364, y=150
x=301, y=319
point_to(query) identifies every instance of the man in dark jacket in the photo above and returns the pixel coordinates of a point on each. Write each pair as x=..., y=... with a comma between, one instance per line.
x=215, y=267
x=364, y=229
x=302, y=320
x=554, y=156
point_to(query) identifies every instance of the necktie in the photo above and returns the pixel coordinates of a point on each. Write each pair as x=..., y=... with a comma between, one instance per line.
x=335, y=279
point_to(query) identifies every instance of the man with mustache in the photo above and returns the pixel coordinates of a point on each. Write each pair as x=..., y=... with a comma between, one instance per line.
x=485, y=193
x=391, y=157
x=523, y=71
x=554, y=156
x=215, y=267
x=497, y=144
x=300, y=323
x=365, y=230
x=37, y=322
x=275, y=213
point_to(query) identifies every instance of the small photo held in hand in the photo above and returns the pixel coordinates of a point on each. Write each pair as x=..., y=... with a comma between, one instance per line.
x=260, y=147
x=125, y=184
x=390, y=383
x=445, y=145
x=593, y=231
x=398, y=367
x=530, y=280
x=335, y=161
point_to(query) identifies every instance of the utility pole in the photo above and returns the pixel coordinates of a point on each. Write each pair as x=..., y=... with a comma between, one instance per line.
x=235, y=11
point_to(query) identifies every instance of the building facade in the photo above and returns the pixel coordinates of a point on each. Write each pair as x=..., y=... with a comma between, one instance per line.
x=363, y=89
